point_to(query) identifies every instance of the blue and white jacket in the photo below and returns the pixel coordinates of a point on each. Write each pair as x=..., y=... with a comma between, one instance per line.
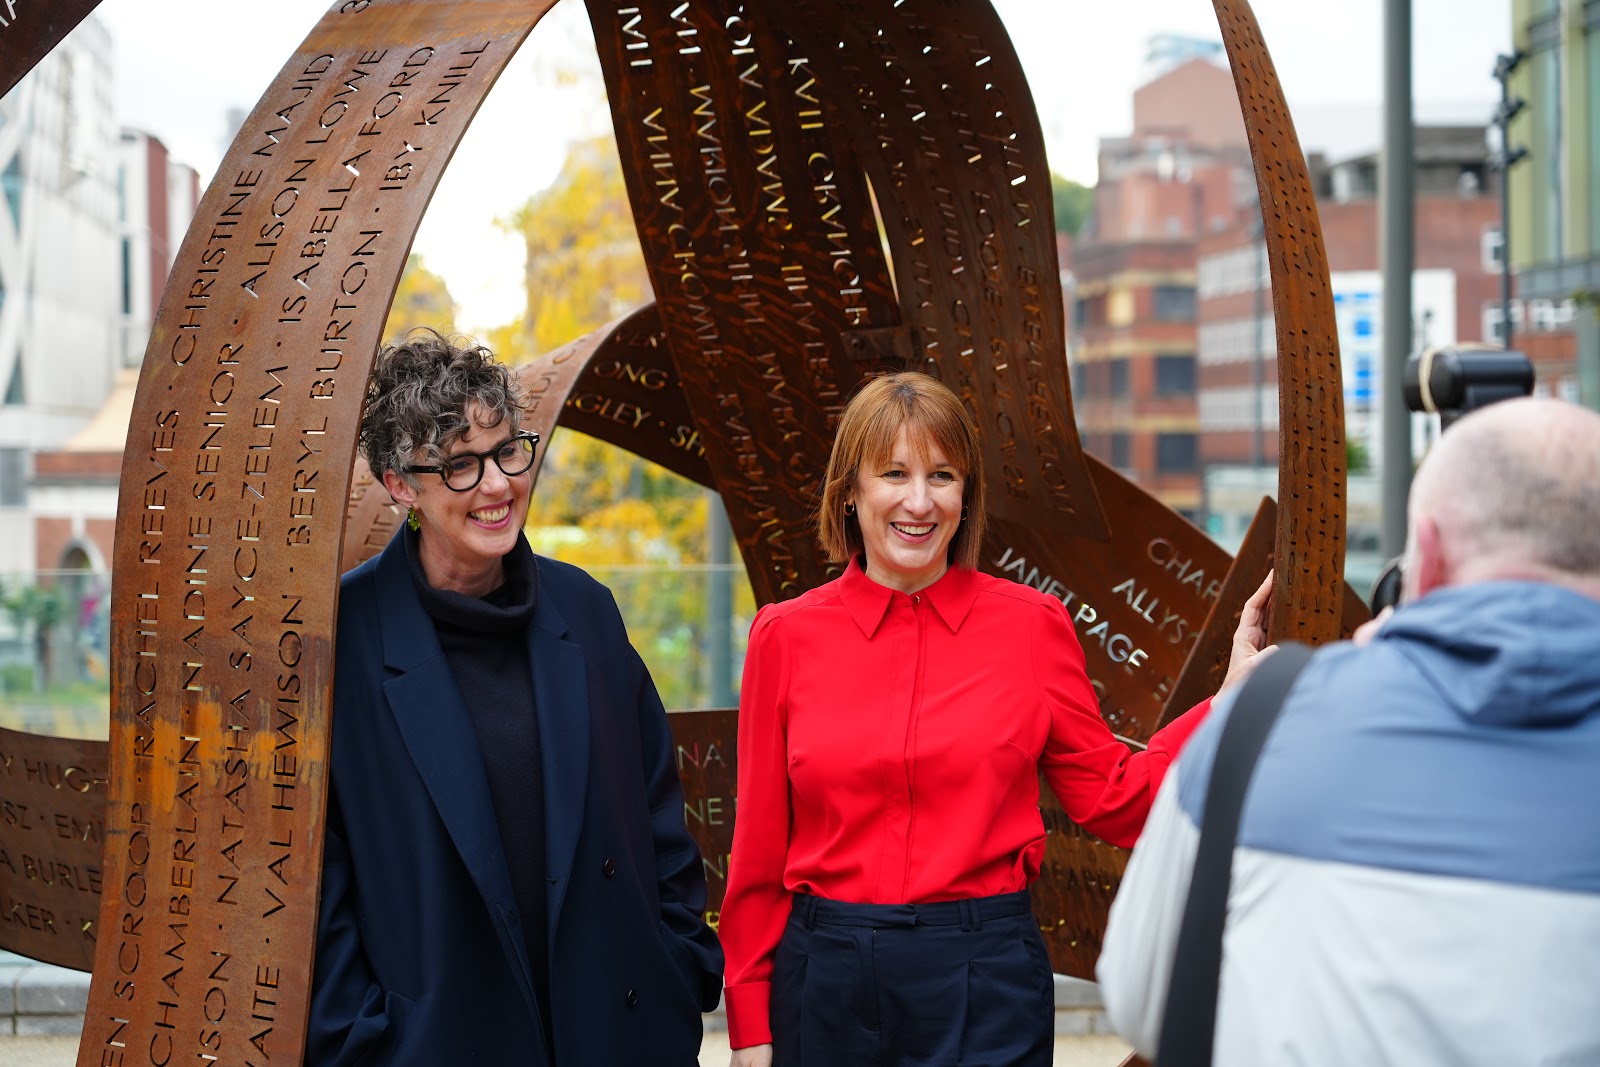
x=1417, y=877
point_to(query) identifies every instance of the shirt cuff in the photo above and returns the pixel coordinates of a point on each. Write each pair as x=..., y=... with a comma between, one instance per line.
x=749, y=1014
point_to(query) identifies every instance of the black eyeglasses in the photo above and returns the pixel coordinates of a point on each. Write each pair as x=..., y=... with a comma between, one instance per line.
x=464, y=470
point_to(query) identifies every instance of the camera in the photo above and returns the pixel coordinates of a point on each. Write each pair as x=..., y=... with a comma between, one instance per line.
x=1455, y=379
x=1450, y=381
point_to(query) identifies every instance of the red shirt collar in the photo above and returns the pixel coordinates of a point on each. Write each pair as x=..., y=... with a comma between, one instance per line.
x=867, y=602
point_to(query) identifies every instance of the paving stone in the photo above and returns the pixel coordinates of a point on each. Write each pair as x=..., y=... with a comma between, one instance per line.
x=1075, y=1021
x=44, y=989
x=49, y=1025
x=1076, y=993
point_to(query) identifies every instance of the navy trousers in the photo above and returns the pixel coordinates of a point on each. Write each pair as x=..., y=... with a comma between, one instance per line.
x=962, y=983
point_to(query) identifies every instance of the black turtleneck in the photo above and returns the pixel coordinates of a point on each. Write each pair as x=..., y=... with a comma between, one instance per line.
x=485, y=641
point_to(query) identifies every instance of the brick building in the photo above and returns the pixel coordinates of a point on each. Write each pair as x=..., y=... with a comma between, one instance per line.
x=1182, y=173
x=1455, y=295
x=72, y=490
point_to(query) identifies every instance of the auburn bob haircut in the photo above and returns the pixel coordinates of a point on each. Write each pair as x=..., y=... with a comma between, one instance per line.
x=932, y=416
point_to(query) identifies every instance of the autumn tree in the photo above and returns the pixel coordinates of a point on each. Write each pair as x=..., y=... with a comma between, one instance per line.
x=422, y=299
x=583, y=266
x=638, y=527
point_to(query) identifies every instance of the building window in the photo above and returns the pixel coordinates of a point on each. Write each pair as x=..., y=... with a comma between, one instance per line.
x=1174, y=375
x=1174, y=303
x=1091, y=311
x=1119, y=308
x=1492, y=332
x=1121, y=451
x=127, y=276
x=1176, y=452
x=16, y=390
x=1093, y=379
x=1119, y=377
x=1492, y=245
x=11, y=186
x=13, y=478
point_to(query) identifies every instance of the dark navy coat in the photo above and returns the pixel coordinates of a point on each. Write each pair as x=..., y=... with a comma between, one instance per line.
x=421, y=958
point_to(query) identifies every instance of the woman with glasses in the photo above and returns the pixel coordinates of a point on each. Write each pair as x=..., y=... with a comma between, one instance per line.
x=507, y=876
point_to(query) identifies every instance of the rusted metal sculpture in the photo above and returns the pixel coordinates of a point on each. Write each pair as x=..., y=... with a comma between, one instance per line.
x=52, y=831
x=766, y=147
x=28, y=32
x=235, y=482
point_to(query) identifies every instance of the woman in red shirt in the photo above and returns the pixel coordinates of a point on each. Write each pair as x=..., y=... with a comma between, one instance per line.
x=891, y=726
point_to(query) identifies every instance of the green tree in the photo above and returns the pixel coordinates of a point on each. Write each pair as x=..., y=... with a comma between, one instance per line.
x=40, y=608
x=1074, y=203
x=1356, y=458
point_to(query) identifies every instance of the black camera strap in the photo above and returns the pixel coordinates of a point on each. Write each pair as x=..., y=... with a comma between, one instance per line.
x=1188, y=1026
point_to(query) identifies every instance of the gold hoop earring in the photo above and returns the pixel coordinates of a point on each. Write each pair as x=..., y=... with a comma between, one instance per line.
x=963, y=513
x=849, y=509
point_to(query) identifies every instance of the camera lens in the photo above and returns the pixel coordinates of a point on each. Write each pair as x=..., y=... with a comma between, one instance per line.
x=1457, y=379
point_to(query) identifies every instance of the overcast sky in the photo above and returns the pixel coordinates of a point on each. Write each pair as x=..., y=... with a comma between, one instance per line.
x=1083, y=62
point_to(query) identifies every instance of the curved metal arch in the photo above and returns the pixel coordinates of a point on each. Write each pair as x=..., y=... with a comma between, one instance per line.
x=32, y=32
x=1309, y=547
x=235, y=482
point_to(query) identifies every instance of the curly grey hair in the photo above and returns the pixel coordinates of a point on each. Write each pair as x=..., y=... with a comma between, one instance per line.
x=418, y=396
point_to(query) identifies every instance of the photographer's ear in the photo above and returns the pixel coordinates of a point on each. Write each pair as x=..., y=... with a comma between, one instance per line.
x=1427, y=565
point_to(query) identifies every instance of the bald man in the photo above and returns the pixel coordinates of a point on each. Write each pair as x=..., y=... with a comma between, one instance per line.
x=1417, y=875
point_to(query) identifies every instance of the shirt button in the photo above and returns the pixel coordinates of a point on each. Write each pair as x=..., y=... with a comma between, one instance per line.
x=632, y=998
x=916, y=600
x=609, y=868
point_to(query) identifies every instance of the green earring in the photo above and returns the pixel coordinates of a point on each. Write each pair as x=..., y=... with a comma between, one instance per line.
x=413, y=520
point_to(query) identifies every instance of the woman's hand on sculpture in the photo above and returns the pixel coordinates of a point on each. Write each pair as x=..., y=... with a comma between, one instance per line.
x=754, y=1056
x=1250, y=638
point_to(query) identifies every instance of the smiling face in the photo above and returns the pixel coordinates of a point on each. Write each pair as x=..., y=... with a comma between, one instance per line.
x=908, y=505
x=464, y=535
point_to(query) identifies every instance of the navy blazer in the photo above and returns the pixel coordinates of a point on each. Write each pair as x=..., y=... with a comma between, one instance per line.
x=420, y=953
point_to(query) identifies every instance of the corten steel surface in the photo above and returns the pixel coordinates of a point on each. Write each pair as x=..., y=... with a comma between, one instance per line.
x=29, y=30
x=706, y=742
x=52, y=828
x=1207, y=664
x=1309, y=553
x=958, y=168
x=235, y=482
x=759, y=236
x=629, y=394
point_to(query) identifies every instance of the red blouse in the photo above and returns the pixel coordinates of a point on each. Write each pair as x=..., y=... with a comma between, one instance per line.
x=888, y=753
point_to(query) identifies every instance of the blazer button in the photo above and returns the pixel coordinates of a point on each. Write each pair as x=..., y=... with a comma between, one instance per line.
x=632, y=998
x=609, y=867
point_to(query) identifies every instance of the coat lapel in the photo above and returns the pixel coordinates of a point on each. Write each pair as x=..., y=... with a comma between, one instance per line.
x=440, y=738
x=561, y=696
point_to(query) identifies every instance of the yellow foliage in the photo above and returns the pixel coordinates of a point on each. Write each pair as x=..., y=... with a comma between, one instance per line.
x=584, y=267
x=638, y=527
x=422, y=299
